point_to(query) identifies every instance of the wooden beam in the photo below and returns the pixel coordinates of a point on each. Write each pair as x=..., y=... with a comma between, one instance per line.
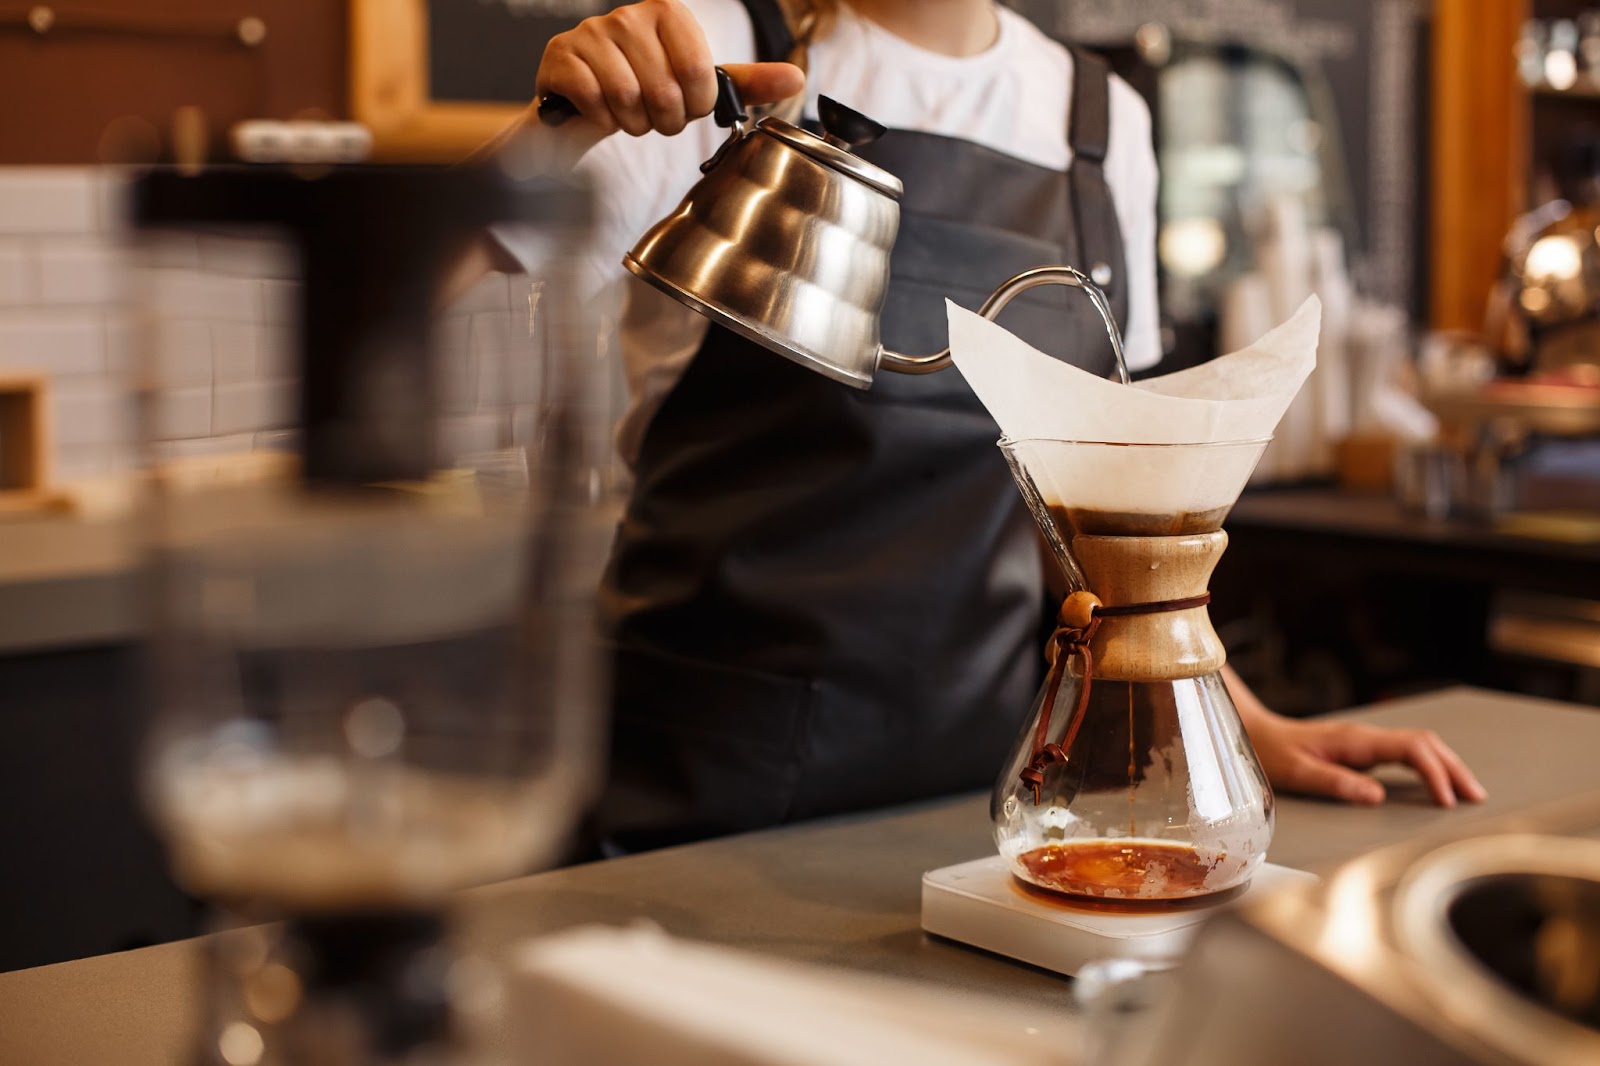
x=389, y=90
x=24, y=433
x=1480, y=152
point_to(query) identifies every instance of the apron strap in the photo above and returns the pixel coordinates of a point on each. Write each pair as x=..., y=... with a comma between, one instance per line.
x=783, y=32
x=1100, y=249
x=775, y=39
x=1089, y=125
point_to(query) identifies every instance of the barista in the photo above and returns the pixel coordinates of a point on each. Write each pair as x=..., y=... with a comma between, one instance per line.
x=823, y=599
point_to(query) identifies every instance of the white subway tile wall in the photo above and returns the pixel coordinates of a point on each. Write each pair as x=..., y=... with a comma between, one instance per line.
x=61, y=299
x=231, y=352
x=181, y=414
x=77, y=461
x=89, y=412
x=183, y=354
x=16, y=274
x=78, y=274
x=49, y=201
x=251, y=408
x=223, y=375
x=59, y=342
x=119, y=342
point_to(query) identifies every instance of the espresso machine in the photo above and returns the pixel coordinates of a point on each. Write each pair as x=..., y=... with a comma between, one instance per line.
x=372, y=644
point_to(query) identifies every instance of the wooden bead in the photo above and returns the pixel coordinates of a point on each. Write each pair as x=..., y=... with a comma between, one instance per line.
x=1077, y=610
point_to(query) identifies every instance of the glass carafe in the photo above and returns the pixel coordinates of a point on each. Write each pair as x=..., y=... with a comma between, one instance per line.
x=375, y=663
x=1134, y=778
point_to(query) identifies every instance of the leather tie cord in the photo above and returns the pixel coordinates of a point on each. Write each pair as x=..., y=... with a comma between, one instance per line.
x=1076, y=639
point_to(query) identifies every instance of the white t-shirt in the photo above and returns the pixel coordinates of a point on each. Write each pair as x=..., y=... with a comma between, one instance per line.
x=1014, y=98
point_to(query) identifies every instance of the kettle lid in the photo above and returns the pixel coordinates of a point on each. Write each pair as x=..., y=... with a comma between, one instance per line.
x=829, y=154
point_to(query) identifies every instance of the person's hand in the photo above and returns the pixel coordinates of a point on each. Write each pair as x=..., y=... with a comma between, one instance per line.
x=647, y=67
x=1326, y=759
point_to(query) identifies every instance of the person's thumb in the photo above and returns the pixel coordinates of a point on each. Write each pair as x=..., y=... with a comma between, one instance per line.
x=1317, y=777
x=766, y=83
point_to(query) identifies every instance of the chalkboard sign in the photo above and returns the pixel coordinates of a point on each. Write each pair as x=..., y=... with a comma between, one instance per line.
x=483, y=50
x=437, y=80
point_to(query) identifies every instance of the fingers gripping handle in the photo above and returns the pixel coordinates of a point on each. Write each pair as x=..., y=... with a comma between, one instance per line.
x=556, y=110
x=1010, y=290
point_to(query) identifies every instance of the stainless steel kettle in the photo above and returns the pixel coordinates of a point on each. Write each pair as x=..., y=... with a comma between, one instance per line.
x=786, y=241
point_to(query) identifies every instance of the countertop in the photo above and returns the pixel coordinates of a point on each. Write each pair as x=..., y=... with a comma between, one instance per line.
x=843, y=892
x=68, y=578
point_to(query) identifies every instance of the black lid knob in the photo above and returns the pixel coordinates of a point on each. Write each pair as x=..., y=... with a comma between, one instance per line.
x=846, y=127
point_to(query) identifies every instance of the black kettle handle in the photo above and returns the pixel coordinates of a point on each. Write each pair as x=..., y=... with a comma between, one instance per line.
x=729, y=111
x=556, y=110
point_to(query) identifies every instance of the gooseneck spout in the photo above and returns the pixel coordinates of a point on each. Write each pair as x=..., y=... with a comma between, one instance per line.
x=1010, y=290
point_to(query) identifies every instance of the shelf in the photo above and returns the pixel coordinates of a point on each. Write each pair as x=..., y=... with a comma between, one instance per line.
x=1551, y=410
x=1586, y=90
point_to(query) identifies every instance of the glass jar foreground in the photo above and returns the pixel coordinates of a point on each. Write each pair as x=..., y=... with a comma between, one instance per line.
x=372, y=583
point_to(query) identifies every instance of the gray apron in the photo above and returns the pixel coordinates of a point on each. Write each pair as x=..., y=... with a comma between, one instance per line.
x=822, y=599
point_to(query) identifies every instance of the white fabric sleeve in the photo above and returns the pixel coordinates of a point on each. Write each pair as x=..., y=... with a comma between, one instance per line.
x=1134, y=178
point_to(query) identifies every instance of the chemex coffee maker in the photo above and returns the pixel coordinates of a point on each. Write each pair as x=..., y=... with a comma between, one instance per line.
x=1134, y=779
x=372, y=643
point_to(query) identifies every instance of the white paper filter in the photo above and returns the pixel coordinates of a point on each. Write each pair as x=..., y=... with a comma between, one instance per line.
x=1152, y=480
x=1235, y=398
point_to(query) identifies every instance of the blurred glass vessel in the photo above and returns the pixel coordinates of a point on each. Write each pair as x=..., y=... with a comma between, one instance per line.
x=373, y=650
x=1134, y=779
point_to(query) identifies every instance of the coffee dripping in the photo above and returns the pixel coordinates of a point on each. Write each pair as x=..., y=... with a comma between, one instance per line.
x=1133, y=780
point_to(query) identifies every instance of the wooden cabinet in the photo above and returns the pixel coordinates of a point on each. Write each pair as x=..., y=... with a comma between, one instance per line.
x=87, y=81
x=1480, y=152
x=391, y=91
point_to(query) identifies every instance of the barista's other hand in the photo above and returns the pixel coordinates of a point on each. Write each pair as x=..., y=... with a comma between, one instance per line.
x=647, y=67
x=1325, y=758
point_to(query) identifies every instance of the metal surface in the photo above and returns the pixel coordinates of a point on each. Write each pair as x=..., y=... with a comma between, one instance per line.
x=1380, y=964
x=752, y=329
x=839, y=158
x=844, y=892
x=787, y=250
x=1010, y=290
x=1477, y=998
x=786, y=240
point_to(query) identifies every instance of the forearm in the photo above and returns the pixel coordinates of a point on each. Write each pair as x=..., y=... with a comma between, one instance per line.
x=1252, y=711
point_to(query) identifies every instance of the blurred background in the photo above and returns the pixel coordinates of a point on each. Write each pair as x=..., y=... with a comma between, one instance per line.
x=1429, y=514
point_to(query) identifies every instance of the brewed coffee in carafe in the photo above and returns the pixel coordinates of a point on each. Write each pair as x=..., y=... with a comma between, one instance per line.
x=1133, y=778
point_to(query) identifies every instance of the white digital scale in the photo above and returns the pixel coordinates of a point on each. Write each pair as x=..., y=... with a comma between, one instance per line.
x=980, y=904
